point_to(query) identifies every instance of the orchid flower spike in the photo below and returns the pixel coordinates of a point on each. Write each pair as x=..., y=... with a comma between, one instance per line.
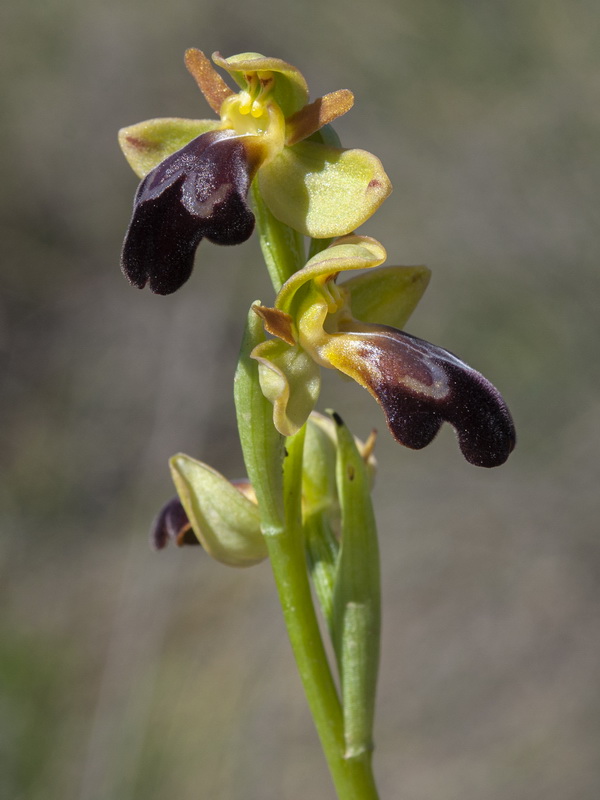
x=353, y=327
x=196, y=173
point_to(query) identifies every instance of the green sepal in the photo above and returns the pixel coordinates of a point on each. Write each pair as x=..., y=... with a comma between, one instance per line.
x=226, y=523
x=290, y=380
x=328, y=136
x=148, y=143
x=262, y=444
x=290, y=91
x=323, y=191
x=349, y=253
x=388, y=295
x=356, y=601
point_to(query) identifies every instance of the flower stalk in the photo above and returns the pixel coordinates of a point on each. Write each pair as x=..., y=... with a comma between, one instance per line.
x=284, y=536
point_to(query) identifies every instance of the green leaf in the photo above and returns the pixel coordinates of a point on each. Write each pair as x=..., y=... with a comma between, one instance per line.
x=356, y=602
x=148, y=143
x=387, y=295
x=323, y=191
x=226, y=522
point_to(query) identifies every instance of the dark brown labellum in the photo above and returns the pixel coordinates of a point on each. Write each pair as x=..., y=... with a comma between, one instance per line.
x=198, y=192
x=420, y=386
x=172, y=524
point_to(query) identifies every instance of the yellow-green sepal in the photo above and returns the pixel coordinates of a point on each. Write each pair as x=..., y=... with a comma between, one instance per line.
x=226, y=522
x=290, y=380
x=348, y=253
x=290, y=90
x=148, y=143
x=323, y=191
x=387, y=295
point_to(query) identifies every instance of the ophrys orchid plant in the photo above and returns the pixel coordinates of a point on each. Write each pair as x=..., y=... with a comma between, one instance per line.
x=271, y=160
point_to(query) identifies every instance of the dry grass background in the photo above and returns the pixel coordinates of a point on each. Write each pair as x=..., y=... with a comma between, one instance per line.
x=125, y=674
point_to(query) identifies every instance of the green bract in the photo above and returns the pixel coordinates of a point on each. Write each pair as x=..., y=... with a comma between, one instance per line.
x=317, y=189
x=319, y=490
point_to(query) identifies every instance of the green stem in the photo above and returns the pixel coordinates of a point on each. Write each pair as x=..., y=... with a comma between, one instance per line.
x=352, y=777
x=317, y=246
x=281, y=523
x=282, y=247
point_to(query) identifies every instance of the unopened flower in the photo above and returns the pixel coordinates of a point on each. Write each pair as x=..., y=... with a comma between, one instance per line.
x=197, y=173
x=222, y=514
x=353, y=328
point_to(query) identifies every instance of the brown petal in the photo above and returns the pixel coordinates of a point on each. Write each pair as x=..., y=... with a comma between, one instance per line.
x=210, y=83
x=320, y=112
x=276, y=322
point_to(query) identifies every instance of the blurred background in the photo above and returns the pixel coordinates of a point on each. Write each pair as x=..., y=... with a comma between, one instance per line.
x=126, y=674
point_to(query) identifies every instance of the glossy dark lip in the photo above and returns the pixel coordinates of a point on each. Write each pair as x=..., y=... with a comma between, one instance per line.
x=198, y=192
x=419, y=386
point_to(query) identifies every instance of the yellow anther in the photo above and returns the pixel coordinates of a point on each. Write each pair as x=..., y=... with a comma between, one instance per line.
x=245, y=102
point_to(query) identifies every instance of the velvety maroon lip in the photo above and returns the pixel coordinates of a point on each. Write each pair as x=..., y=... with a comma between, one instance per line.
x=419, y=386
x=198, y=192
